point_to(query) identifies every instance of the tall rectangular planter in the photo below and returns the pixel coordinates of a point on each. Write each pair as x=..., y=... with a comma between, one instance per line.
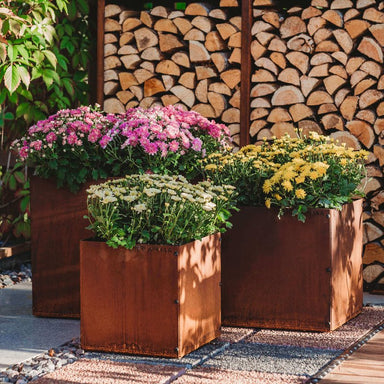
x=153, y=300
x=57, y=226
x=292, y=275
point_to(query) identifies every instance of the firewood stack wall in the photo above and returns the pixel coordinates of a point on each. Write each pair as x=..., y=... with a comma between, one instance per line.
x=189, y=58
x=318, y=67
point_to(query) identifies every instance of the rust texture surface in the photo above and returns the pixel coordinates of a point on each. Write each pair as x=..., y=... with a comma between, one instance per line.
x=292, y=275
x=152, y=300
x=57, y=226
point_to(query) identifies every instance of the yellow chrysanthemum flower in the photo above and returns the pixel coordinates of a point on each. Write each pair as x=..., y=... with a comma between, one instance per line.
x=210, y=167
x=287, y=185
x=300, y=193
x=314, y=175
x=300, y=179
x=267, y=186
x=268, y=203
x=277, y=197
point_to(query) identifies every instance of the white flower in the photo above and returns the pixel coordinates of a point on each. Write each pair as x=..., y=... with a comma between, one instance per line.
x=139, y=207
x=209, y=206
x=151, y=191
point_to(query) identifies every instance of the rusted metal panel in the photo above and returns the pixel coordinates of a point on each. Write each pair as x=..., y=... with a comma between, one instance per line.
x=291, y=275
x=57, y=226
x=153, y=300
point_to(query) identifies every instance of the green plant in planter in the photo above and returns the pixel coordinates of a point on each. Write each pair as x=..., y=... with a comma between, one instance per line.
x=157, y=209
x=292, y=173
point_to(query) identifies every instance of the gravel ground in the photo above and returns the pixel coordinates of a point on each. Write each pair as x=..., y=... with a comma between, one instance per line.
x=8, y=278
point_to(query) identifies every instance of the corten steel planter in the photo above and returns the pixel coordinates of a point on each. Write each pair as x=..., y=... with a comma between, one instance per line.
x=292, y=275
x=57, y=226
x=153, y=300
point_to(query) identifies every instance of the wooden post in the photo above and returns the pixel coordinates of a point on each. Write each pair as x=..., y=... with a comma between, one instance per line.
x=100, y=53
x=246, y=65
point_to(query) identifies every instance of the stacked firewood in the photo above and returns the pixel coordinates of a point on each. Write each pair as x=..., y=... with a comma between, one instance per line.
x=320, y=68
x=189, y=58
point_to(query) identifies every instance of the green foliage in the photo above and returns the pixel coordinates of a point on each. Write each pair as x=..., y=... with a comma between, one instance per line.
x=43, y=59
x=14, y=204
x=157, y=209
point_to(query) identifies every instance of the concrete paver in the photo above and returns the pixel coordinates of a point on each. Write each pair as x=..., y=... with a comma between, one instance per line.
x=22, y=335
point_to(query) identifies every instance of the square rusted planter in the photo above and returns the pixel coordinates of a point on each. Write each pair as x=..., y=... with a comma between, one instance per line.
x=57, y=226
x=155, y=300
x=292, y=275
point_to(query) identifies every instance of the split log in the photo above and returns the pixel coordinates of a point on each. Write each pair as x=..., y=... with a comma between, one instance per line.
x=283, y=128
x=138, y=91
x=232, y=77
x=219, y=14
x=110, y=87
x=260, y=26
x=175, y=14
x=202, y=91
x=113, y=105
x=287, y=95
x=152, y=54
x=184, y=94
x=203, y=23
x=380, y=84
x=169, y=43
x=364, y=3
x=356, y=28
x=290, y=76
x=348, y=107
x=142, y=75
x=370, y=48
x=145, y=38
x=332, y=121
x=300, y=112
x=344, y=40
x=339, y=70
x=183, y=25
x=213, y=42
x=327, y=46
x=127, y=13
x=218, y=102
x=277, y=45
x=344, y=137
x=127, y=50
x=308, y=84
x=319, y=71
x=220, y=59
x=256, y=126
x=314, y=24
x=369, y=97
x=130, y=61
x=125, y=96
x=341, y=94
x=268, y=64
x=301, y=43
x=226, y=30
x=234, y=129
x=182, y=59
x=111, y=62
x=351, y=14
x=231, y=115
x=278, y=115
x=377, y=31
x=263, y=76
x=203, y=72
x=380, y=109
x=308, y=126
x=318, y=98
x=362, y=131
x=292, y=26
x=198, y=9
x=110, y=38
x=194, y=35
x=372, y=68
x=147, y=102
x=263, y=89
x=234, y=41
x=341, y=4
x=260, y=102
x=125, y=38
x=372, y=14
x=205, y=110
x=234, y=101
x=130, y=24
x=236, y=21
x=235, y=56
x=334, y=17
x=168, y=67
x=146, y=19
x=353, y=64
x=111, y=74
x=321, y=35
x=341, y=57
x=299, y=60
x=366, y=115
x=169, y=100
x=168, y=81
x=379, y=126
x=326, y=108
x=320, y=58
x=279, y=59
x=272, y=18
x=259, y=113
x=165, y=25
x=220, y=88
x=111, y=10
x=109, y=49
x=153, y=86
x=257, y=50
x=310, y=12
x=333, y=83
x=378, y=151
x=159, y=11
x=111, y=25
x=264, y=38
x=188, y=79
x=363, y=86
x=197, y=52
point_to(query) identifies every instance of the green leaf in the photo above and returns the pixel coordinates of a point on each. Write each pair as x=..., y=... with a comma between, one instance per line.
x=12, y=78
x=25, y=76
x=24, y=204
x=12, y=183
x=23, y=52
x=68, y=85
x=3, y=52
x=12, y=52
x=22, y=109
x=51, y=58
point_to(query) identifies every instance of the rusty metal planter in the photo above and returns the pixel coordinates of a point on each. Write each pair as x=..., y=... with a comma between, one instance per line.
x=292, y=275
x=153, y=300
x=57, y=226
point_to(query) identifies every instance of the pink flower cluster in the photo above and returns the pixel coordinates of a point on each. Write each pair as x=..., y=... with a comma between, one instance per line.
x=158, y=130
x=161, y=130
x=72, y=127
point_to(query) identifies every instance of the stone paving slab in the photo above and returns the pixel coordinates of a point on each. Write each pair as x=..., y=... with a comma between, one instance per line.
x=22, y=335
